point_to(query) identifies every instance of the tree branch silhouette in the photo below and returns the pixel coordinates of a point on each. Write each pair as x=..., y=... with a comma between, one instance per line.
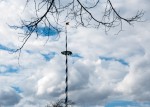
x=57, y=12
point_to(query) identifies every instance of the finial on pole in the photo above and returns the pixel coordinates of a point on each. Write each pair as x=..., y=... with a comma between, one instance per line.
x=67, y=23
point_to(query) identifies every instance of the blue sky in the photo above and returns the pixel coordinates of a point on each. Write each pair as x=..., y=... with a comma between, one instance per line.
x=122, y=61
x=41, y=31
x=76, y=55
x=122, y=104
x=126, y=104
x=8, y=69
x=5, y=48
x=48, y=56
x=17, y=89
x=47, y=31
x=104, y=70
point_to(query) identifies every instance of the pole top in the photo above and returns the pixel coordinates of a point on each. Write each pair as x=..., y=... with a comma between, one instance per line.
x=67, y=23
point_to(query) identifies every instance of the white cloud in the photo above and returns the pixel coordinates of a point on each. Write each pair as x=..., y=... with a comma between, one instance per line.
x=136, y=82
x=8, y=96
x=91, y=79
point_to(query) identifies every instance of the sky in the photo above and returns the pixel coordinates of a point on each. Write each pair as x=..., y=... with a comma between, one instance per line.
x=105, y=70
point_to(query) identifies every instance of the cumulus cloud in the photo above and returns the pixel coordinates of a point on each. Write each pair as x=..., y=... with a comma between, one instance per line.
x=136, y=82
x=8, y=97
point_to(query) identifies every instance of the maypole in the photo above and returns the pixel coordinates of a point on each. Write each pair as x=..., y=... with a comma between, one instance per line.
x=66, y=53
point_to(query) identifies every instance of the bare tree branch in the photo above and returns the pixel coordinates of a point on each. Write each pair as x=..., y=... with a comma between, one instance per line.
x=79, y=12
x=60, y=103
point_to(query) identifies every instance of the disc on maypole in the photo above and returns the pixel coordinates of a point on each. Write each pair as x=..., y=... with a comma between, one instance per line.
x=66, y=53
